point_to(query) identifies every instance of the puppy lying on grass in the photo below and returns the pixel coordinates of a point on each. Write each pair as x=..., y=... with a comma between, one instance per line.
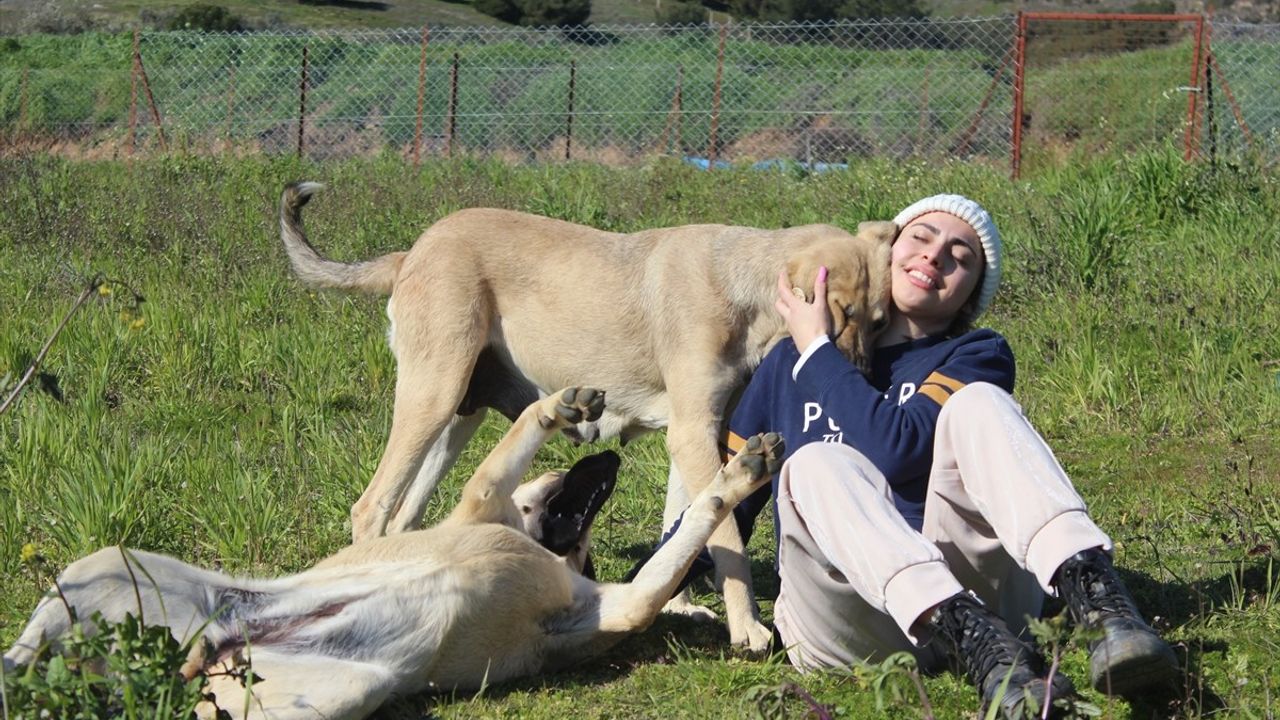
x=493, y=592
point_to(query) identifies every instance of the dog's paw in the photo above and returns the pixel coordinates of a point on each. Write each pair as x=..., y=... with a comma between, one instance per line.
x=572, y=406
x=761, y=457
x=758, y=460
x=683, y=604
x=754, y=640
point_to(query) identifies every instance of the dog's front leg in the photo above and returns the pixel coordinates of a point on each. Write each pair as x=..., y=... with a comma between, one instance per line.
x=632, y=607
x=487, y=495
x=694, y=451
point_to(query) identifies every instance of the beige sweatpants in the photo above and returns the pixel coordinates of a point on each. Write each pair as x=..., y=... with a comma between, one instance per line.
x=1000, y=517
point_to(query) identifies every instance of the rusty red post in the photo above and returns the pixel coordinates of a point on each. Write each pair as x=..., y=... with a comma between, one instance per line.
x=146, y=88
x=965, y=139
x=1019, y=91
x=673, y=117
x=1193, y=94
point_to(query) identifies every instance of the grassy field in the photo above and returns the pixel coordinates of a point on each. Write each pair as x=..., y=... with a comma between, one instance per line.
x=232, y=417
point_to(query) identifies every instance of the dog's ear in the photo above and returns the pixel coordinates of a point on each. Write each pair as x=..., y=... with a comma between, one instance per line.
x=802, y=270
x=879, y=232
x=847, y=302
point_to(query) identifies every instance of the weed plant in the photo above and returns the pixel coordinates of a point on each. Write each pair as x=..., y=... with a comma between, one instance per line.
x=233, y=417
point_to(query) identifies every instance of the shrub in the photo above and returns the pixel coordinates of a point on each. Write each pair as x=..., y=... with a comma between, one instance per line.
x=561, y=13
x=679, y=12
x=209, y=18
x=505, y=10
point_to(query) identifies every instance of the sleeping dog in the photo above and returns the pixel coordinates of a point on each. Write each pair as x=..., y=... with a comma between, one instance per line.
x=492, y=592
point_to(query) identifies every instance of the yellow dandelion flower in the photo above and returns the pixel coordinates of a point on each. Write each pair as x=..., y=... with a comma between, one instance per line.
x=28, y=552
x=137, y=323
x=104, y=290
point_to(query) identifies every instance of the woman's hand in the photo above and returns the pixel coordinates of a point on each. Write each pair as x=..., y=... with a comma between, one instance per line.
x=805, y=321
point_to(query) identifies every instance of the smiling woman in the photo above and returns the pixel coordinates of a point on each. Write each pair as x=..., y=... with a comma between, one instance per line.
x=920, y=504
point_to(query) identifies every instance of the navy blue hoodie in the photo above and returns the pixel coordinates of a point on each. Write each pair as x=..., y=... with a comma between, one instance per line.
x=890, y=417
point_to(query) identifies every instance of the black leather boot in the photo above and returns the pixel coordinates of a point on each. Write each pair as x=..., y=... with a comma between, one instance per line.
x=991, y=653
x=1127, y=656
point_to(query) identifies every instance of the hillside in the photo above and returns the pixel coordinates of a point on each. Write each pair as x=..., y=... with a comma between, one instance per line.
x=18, y=16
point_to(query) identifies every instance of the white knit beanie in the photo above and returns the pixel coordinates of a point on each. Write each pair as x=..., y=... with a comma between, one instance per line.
x=972, y=213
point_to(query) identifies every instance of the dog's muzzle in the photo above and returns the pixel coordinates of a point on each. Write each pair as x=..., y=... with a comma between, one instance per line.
x=584, y=490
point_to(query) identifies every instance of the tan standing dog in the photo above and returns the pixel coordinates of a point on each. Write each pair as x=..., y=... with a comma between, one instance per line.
x=473, y=600
x=488, y=309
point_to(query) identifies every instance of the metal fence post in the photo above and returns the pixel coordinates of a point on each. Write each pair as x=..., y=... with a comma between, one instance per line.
x=794, y=83
x=146, y=88
x=568, y=118
x=22, y=100
x=1019, y=87
x=302, y=100
x=1231, y=99
x=1193, y=122
x=231, y=99
x=924, y=108
x=133, y=95
x=422, y=96
x=963, y=146
x=451, y=117
x=715, y=99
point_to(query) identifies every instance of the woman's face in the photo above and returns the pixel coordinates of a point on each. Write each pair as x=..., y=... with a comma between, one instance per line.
x=937, y=263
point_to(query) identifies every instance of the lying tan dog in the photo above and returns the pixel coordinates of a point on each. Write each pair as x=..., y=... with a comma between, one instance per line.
x=470, y=601
x=488, y=309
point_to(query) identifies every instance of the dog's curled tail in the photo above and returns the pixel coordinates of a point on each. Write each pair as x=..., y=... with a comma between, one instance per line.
x=372, y=276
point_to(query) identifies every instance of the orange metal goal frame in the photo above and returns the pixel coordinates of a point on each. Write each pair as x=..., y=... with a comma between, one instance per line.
x=1198, y=62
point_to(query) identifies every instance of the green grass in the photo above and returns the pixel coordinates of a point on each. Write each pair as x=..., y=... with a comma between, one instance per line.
x=238, y=421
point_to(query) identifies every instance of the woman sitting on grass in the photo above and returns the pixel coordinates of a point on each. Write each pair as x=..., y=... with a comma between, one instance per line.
x=919, y=503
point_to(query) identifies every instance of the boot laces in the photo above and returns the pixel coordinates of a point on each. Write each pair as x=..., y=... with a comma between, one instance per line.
x=981, y=644
x=1093, y=589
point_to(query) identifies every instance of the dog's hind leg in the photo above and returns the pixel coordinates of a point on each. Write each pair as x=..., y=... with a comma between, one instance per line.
x=487, y=495
x=424, y=406
x=436, y=352
x=114, y=582
x=443, y=454
x=296, y=685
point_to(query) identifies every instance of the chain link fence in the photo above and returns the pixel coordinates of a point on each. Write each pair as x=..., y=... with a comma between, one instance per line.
x=817, y=93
